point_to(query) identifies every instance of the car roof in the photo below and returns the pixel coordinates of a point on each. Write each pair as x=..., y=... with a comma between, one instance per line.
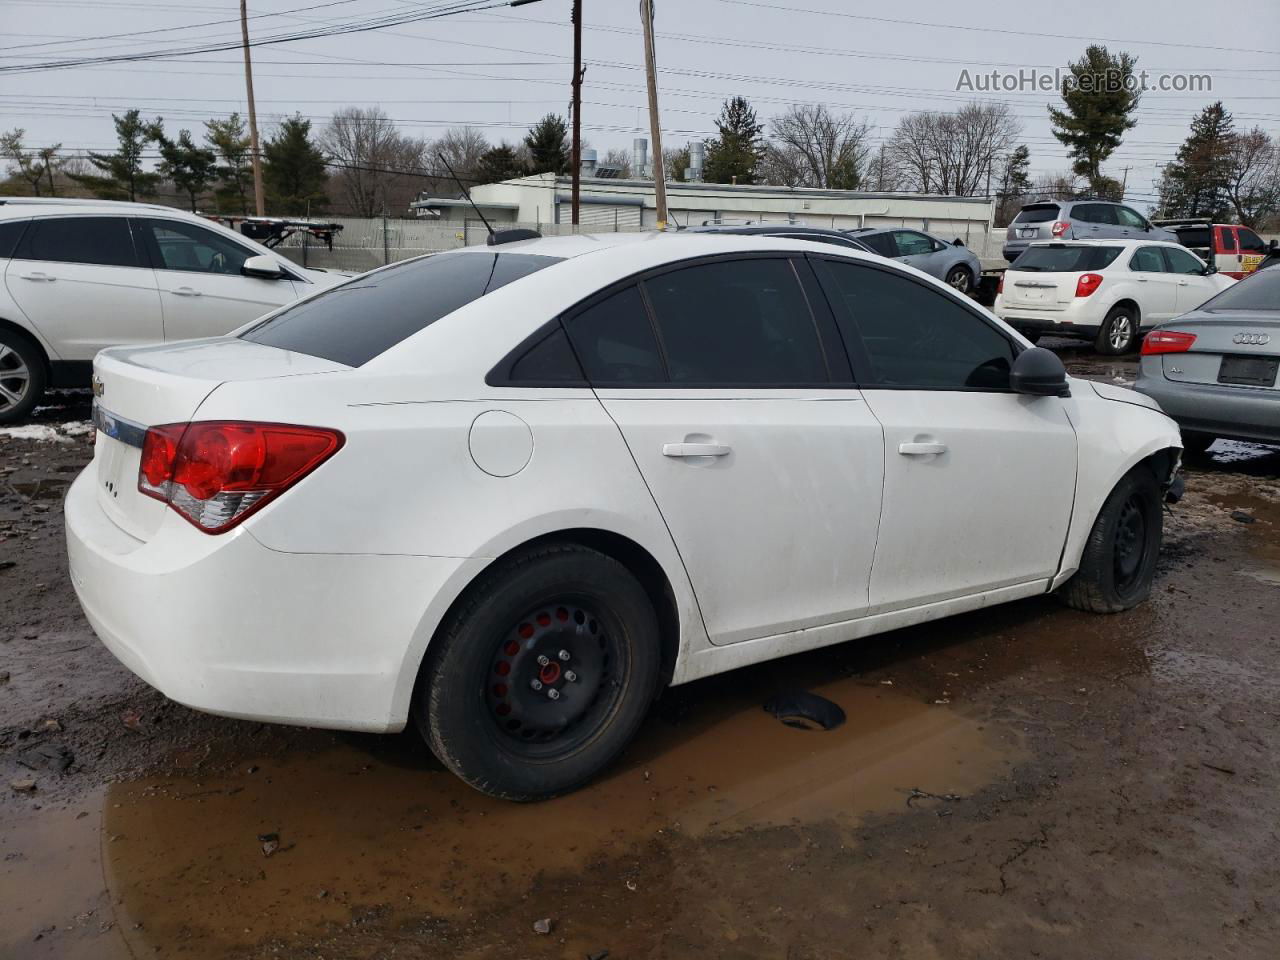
x=766, y=228
x=14, y=207
x=1113, y=242
x=658, y=246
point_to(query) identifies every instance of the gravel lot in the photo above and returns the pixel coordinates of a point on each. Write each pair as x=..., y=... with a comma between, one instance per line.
x=1019, y=782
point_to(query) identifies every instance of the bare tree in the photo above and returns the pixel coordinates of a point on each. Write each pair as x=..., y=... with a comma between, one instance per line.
x=882, y=172
x=462, y=147
x=1063, y=185
x=618, y=158
x=378, y=168
x=953, y=153
x=1254, y=176
x=812, y=147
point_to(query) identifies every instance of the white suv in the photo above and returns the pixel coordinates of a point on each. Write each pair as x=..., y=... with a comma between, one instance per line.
x=1103, y=290
x=80, y=275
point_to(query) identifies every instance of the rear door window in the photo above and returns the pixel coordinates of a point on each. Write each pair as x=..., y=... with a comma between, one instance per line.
x=104, y=241
x=736, y=323
x=881, y=243
x=1228, y=239
x=1037, y=213
x=362, y=318
x=1147, y=260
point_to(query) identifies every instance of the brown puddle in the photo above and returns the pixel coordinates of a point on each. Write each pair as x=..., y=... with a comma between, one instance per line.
x=384, y=832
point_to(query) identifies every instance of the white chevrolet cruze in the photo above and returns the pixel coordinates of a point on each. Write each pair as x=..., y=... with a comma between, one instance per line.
x=511, y=492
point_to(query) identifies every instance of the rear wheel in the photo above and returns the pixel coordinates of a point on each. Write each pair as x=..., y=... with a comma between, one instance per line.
x=961, y=279
x=1196, y=443
x=542, y=675
x=22, y=377
x=1119, y=559
x=1119, y=331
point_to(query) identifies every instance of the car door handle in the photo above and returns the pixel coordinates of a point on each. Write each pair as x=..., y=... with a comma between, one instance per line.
x=37, y=276
x=695, y=450
x=1141, y=279
x=1182, y=283
x=185, y=292
x=921, y=449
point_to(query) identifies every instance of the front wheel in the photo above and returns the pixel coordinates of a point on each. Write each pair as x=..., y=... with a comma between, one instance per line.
x=1119, y=559
x=1119, y=332
x=961, y=279
x=542, y=674
x=21, y=377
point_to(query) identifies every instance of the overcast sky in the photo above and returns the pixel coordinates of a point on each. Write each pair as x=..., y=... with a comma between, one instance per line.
x=501, y=70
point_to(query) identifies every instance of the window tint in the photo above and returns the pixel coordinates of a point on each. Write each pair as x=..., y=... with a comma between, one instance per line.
x=911, y=243
x=1258, y=291
x=1147, y=260
x=1250, y=242
x=360, y=319
x=881, y=243
x=1179, y=261
x=10, y=233
x=1064, y=259
x=615, y=342
x=189, y=247
x=1129, y=218
x=1085, y=212
x=1193, y=236
x=1037, y=213
x=1228, y=239
x=550, y=360
x=736, y=322
x=915, y=336
x=99, y=240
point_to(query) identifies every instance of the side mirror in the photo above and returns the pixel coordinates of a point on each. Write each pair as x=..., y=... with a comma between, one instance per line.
x=264, y=268
x=1209, y=270
x=1274, y=246
x=957, y=242
x=1039, y=373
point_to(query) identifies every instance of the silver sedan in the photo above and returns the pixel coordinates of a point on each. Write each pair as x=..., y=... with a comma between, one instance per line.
x=953, y=262
x=1216, y=370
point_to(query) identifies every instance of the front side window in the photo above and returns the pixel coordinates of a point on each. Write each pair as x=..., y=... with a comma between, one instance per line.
x=192, y=248
x=911, y=243
x=105, y=241
x=736, y=322
x=1182, y=262
x=914, y=336
x=1147, y=260
x=1250, y=242
x=1129, y=218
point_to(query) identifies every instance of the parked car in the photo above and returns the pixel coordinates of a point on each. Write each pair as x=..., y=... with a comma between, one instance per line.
x=1235, y=250
x=790, y=231
x=1078, y=220
x=80, y=275
x=1215, y=369
x=346, y=525
x=953, y=263
x=1107, y=291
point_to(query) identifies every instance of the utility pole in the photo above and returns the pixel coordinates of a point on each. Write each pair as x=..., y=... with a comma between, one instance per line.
x=576, y=160
x=258, y=201
x=1124, y=183
x=651, y=74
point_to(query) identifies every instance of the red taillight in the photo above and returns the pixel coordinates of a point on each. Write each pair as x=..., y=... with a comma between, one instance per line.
x=218, y=472
x=1000, y=285
x=1087, y=284
x=1167, y=341
x=1059, y=227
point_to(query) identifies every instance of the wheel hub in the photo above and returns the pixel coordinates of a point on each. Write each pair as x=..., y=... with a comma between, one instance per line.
x=1130, y=544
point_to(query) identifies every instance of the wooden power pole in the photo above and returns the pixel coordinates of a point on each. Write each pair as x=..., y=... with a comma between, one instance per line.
x=651, y=74
x=576, y=160
x=258, y=200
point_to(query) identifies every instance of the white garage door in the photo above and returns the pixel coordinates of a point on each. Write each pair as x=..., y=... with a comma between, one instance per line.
x=608, y=216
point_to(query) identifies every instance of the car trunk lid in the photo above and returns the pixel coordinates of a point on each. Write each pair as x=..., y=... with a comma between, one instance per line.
x=140, y=387
x=1237, y=350
x=1028, y=290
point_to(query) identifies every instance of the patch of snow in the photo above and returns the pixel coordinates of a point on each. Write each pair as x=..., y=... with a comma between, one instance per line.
x=42, y=433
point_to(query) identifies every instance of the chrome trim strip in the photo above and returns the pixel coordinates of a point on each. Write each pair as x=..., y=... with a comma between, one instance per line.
x=118, y=428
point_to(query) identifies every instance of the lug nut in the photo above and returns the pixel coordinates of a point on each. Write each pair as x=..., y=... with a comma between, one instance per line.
x=542, y=660
x=553, y=694
x=571, y=676
x=536, y=684
x=564, y=654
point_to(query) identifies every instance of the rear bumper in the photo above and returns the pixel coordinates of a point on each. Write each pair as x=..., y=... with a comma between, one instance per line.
x=1048, y=323
x=225, y=625
x=1236, y=413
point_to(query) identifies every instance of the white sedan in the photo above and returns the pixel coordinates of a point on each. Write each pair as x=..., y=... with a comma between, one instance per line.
x=509, y=493
x=1107, y=291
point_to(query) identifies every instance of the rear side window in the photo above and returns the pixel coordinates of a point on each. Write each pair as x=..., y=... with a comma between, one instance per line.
x=105, y=241
x=355, y=322
x=1037, y=213
x=1065, y=259
x=615, y=342
x=881, y=243
x=1228, y=239
x=10, y=233
x=914, y=336
x=1147, y=260
x=736, y=322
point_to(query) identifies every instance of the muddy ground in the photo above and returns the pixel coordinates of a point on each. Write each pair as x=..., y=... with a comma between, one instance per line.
x=1027, y=781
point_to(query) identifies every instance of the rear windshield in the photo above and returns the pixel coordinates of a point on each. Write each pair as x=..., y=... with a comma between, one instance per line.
x=1260, y=291
x=1037, y=213
x=1064, y=259
x=355, y=322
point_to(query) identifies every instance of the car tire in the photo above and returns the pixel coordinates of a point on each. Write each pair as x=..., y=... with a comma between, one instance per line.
x=22, y=376
x=476, y=703
x=1119, y=559
x=1118, y=333
x=960, y=279
x=1196, y=444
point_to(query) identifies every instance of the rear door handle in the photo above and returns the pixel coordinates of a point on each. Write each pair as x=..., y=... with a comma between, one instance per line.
x=1141, y=279
x=1182, y=283
x=695, y=450
x=185, y=292
x=921, y=449
x=38, y=276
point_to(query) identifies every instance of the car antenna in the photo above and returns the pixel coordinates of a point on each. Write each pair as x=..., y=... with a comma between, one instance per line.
x=495, y=236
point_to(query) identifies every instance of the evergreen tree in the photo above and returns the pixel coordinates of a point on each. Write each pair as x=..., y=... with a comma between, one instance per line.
x=293, y=169
x=124, y=177
x=1015, y=184
x=498, y=163
x=1198, y=182
x=545, y=141
x=190, y=167
x=1099, y=99
x=230, y=140
x=736, y=152
x=35, y=166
